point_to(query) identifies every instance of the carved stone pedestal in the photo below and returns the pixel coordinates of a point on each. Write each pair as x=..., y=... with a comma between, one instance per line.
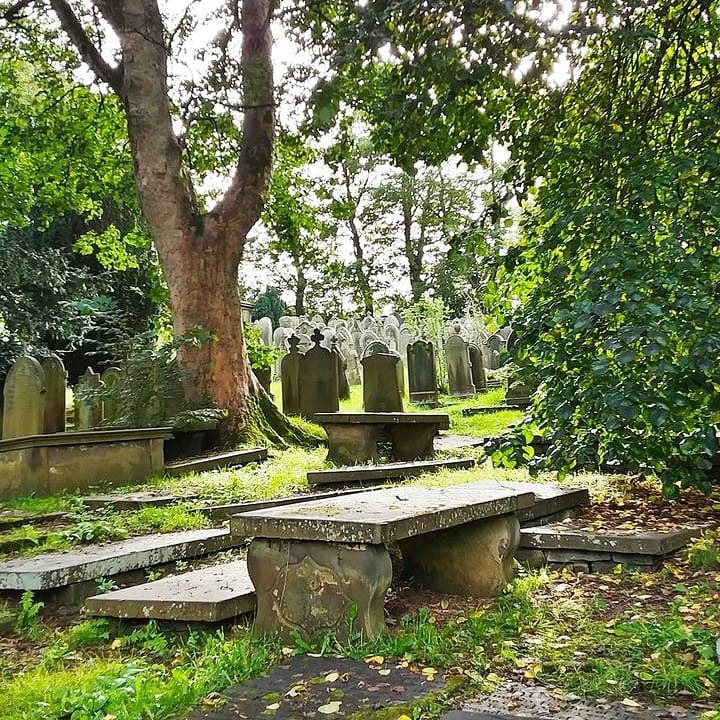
x=316, y=587
x=474, y=559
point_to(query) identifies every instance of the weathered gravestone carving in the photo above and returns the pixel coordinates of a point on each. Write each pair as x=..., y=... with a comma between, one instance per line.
x=24, y=399
x=318, y=380
x=477, y=367
x=458, y=366
x=55, y=380
x=290, y=377
x=88, y=405
x=422, y=374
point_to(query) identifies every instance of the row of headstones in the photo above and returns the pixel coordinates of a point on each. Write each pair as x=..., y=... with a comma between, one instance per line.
x=315, y=381
x=34, y=398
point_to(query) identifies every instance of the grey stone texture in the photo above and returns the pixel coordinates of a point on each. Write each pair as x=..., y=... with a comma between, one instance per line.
x=422, y=373
x=55, y=383
x=88, y=408
x=319, y=587
x=290, y=377
x=384, y=515
x=46, y=464
x=474, y=559
x=460, y=382
x=343, y=384
x=384, y=472
x=211, y=594
x=24, y=399
x=381, y=392
x=318, y=380
x=111, y=377
x=353, y=437
x=60, y=569
x=477, y=367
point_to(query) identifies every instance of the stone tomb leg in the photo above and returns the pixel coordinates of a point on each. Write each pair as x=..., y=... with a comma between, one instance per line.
x=412, y=442
x=317, y=587
x=352, y=443
x=474, y=559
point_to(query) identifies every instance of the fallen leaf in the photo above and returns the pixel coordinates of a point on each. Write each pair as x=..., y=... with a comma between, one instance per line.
x=274, y=706
x=629, y=702
x=330, y=708
x=384, y=671
x=332, y=676
x=375, y=659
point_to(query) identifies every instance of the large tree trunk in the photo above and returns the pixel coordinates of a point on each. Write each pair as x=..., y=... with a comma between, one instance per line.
x=199, y=252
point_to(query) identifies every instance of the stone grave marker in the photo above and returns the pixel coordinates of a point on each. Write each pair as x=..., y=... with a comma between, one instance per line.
x=110, y=403
x=381, y=390
x=318, y=380
x=24, y=399
x=55, y=381
x=496, y=345
x=343, y=384
x=264, y=325
x=477, y=367
x=290, y=377
x=422, y=373
x=460, y=382
x=88, y=410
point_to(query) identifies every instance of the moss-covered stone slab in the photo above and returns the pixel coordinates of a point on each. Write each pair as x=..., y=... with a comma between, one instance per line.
x=447, y=441
x=313, y=588
x=551, y=501
x=133, y=500
x=386, y=471
x=297, y=688
x=382, y=516
x=211, y=594
x=60, y=569
x=236, y=458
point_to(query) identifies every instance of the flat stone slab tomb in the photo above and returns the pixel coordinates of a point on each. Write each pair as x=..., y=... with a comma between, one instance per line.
x=236, y=458
x=78, y=569
x=323, y=566
x=211, y=594
x=581, y=550
x=457, y=442
x=353, y=437
x=387, y=471
x=46, y=464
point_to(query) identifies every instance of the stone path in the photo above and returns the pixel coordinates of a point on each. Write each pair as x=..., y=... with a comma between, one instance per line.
x=317, y=687
x=514, y=701
x=60, y=569
x=211, y=594
x=386, y=471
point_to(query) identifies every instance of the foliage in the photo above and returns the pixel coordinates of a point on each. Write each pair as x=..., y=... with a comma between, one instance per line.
x=261, y=356
x=619, y=268
x=427, y=318
x=28, y=611
x=270, y=304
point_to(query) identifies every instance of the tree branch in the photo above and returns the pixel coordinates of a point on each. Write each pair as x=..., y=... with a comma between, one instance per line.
x=14, y=10
x=113, y=76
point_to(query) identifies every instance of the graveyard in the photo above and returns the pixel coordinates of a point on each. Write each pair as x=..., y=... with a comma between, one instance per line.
x=359, y=360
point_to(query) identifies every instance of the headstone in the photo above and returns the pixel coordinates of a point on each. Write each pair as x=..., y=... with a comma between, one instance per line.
x=24, y=399
x=405, y=338
x=111, y=378
x=55, y=381
x=347, y=348
x=317, y=321
x=458, y=366
x=496, y=344
x=392, y=334
x=476, y=367
x=290, y=378
x=422, y=374
x=376, y=347
x=318, y=380
x=88, y=406
x=264, y=324
x=288, y=321
x=381, y=389
x=305, y=342
x=343, y=384
x=368, y=337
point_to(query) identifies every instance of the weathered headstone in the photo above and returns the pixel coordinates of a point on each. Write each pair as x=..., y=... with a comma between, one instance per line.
x=496, y=345
x=458, y=366
x=381, y=390
x=422, y=374
x=55, y=380
x=477, y=368
x=24, y=399
x=343, y=384
x=290, y=377
x=88, y=406
x=264, y=325
x=111, y=378
x=318, y=380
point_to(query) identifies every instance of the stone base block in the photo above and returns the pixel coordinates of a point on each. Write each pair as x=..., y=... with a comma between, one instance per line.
x=474, y=559
x=318, y=587
x=350, y=444
x=412, y=442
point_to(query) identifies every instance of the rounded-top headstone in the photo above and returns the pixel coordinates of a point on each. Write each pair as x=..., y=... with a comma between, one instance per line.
x=24, y=399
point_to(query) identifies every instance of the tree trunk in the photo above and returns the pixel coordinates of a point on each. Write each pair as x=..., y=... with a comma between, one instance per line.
x=300, y=287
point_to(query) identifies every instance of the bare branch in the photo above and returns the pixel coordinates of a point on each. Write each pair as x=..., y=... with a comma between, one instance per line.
x=14, y=10
x=88, y=52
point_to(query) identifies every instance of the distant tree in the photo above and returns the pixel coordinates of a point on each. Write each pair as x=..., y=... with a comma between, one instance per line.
x=270, y=304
